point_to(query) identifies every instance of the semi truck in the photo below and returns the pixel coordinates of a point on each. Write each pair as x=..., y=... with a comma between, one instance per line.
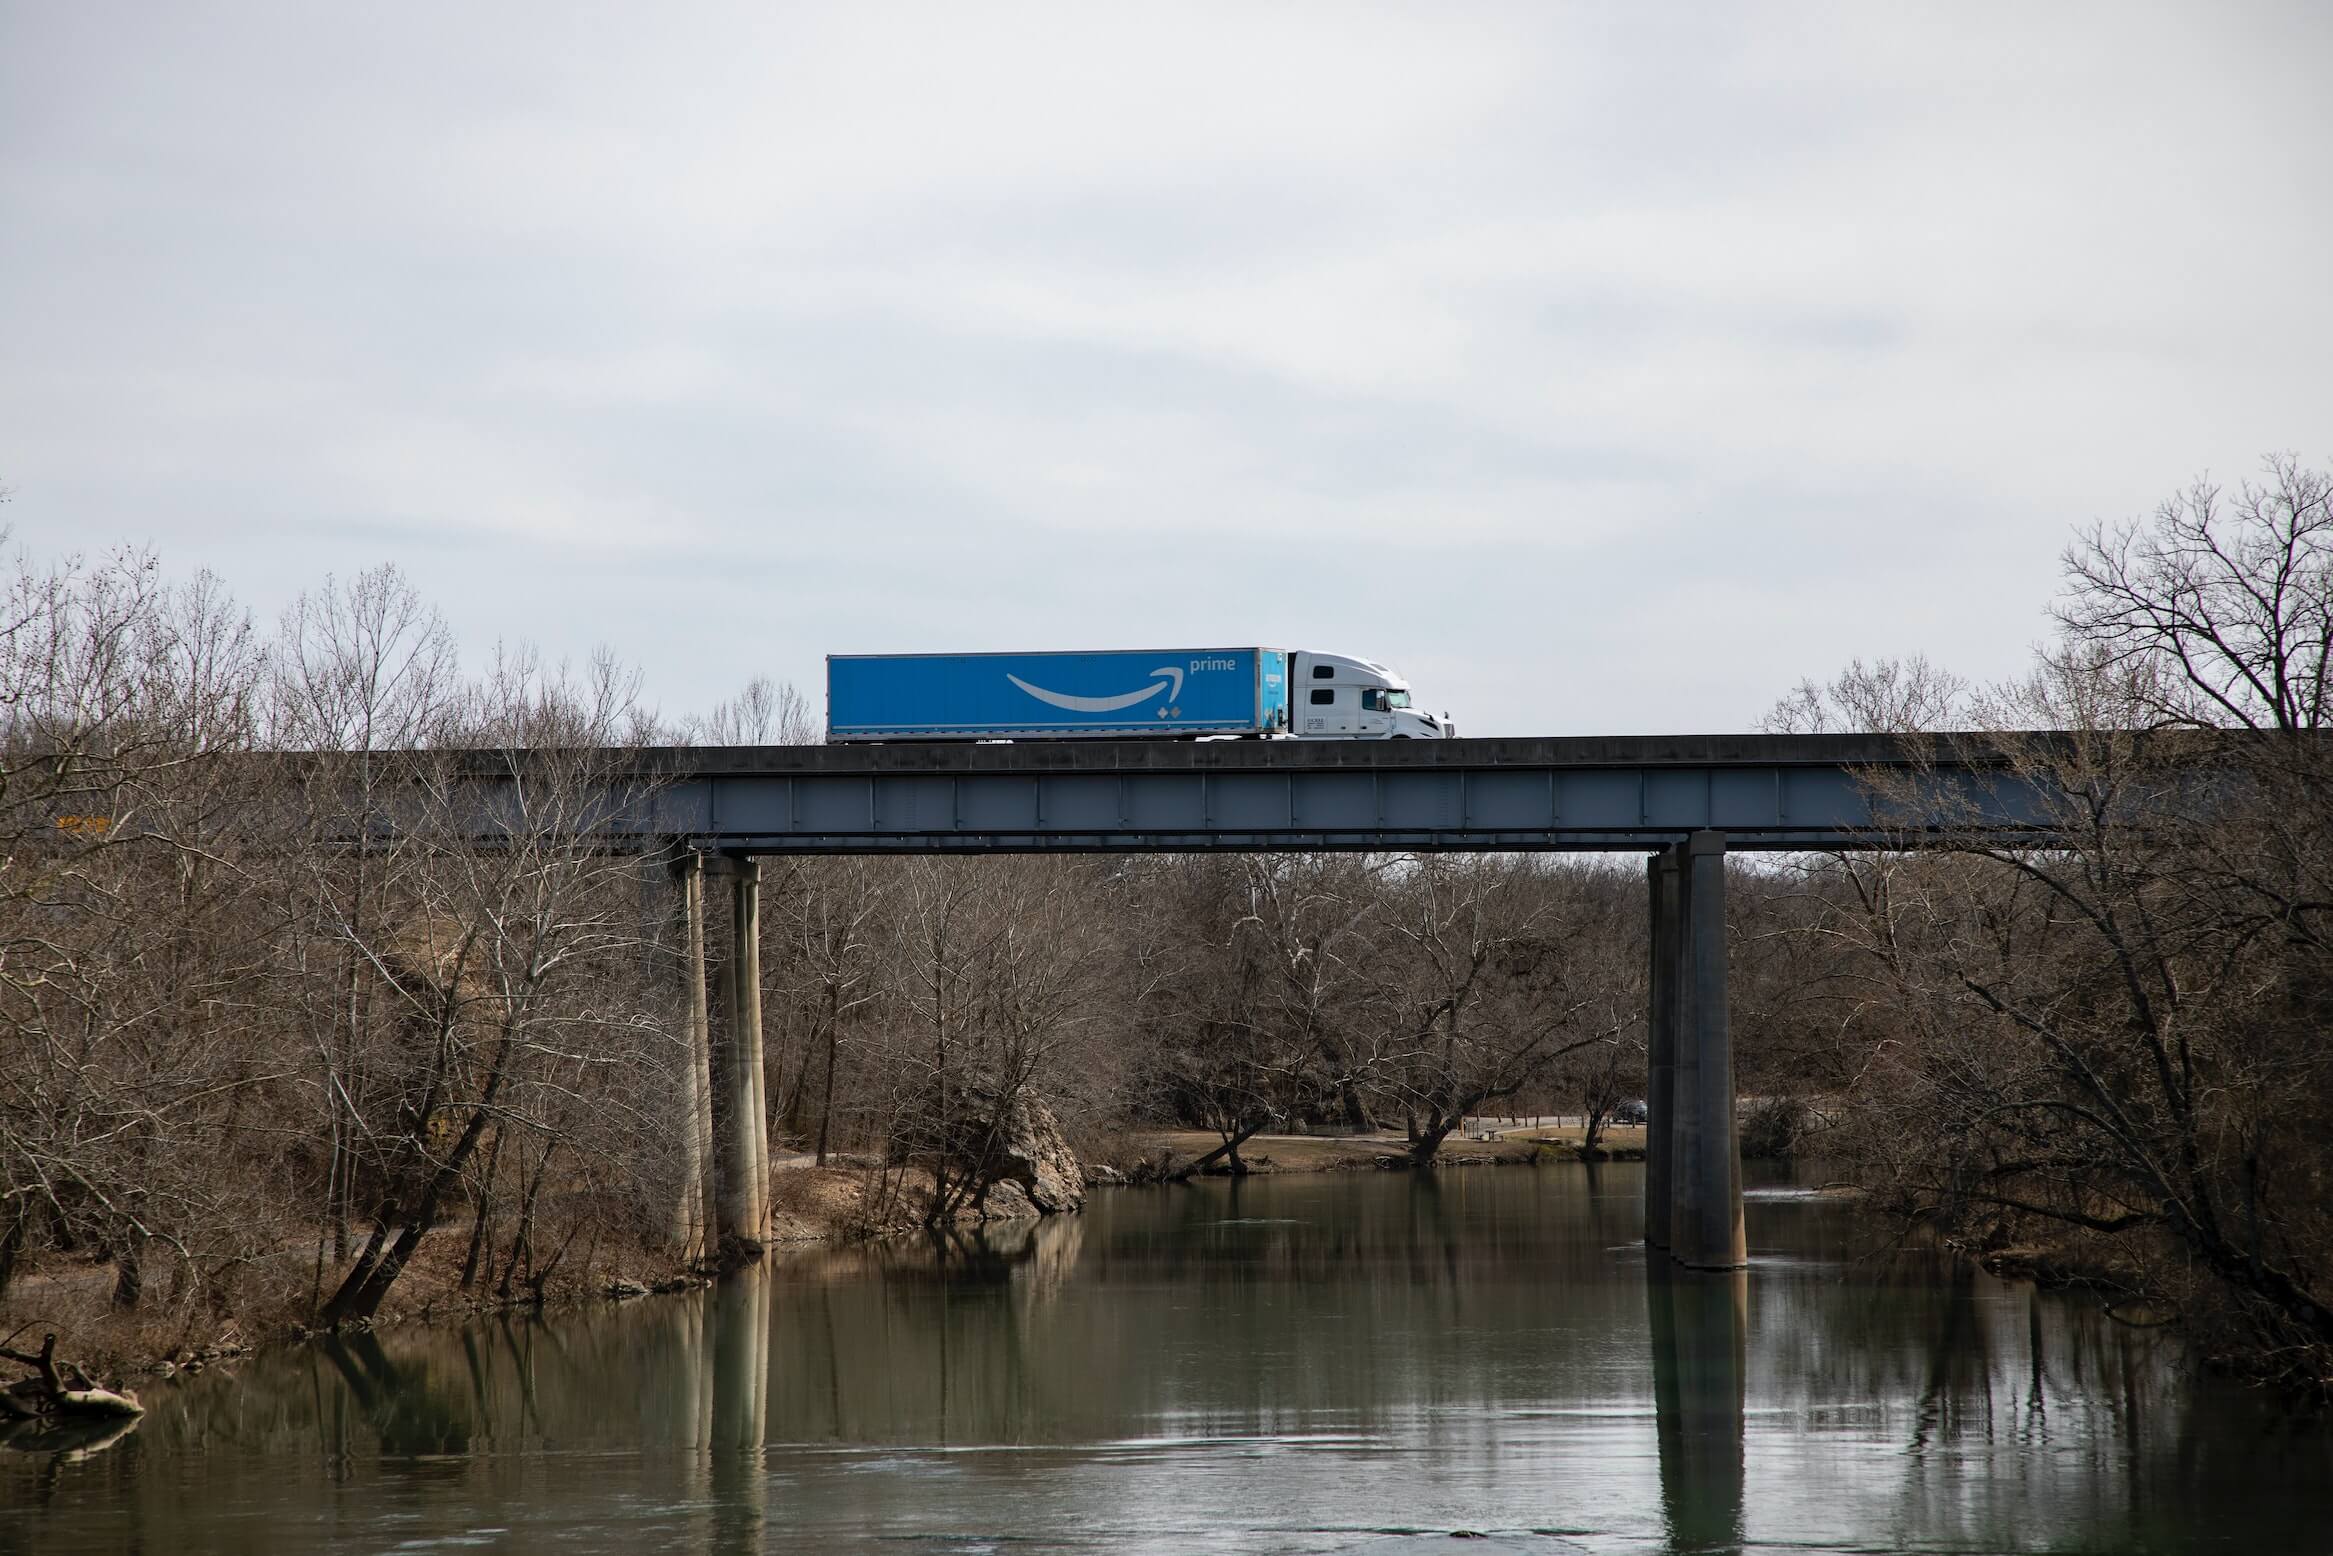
x=1122, y=694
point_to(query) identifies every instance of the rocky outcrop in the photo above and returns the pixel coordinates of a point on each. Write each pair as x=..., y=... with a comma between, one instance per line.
x=1034, y=1156
x=1011, y=1147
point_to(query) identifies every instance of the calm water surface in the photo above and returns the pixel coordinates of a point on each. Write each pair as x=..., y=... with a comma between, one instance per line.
x=1339, y=1363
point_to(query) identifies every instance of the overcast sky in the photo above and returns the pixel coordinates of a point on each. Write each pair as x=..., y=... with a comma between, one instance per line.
x=1606, y=367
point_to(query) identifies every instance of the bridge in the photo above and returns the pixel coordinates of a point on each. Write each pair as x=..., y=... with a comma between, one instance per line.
x=1566, y=794
x=1686, y=801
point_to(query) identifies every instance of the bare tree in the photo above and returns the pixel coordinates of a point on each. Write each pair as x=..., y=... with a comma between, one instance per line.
x=1605, y=963
x=1225, y=1011
x=1475, y=988
x=365, y=685
x=999, y=971
x=827, y=939
x=2113, y=1044
x=1888, y=696
x=131, y=960
x=2221, y=605
x=487, y=966
x=1308, y=923
x=765, y=713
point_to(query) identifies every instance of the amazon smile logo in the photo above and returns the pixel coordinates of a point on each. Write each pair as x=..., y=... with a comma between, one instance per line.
x=1171, y=685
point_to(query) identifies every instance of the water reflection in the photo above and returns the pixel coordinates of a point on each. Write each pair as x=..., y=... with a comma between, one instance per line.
x=1699, y=1326
x=402, y=1410
x=740, y=1400
x=1291, y=1363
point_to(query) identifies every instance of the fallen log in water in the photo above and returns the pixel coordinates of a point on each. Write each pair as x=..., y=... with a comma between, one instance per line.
x=61, y=1390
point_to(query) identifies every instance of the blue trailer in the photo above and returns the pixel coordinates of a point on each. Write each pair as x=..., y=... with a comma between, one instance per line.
x=1116, y=694
x=1122, y=694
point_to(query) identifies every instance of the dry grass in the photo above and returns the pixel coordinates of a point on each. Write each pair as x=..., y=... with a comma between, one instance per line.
x=815, y=1204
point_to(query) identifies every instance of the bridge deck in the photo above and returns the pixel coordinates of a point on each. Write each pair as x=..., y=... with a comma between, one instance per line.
x=1545, y=793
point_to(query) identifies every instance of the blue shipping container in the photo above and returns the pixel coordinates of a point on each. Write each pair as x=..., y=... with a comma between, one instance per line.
x=1122, y=693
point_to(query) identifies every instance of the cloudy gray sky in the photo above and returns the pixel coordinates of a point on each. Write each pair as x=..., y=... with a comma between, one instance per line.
x=1607, y=367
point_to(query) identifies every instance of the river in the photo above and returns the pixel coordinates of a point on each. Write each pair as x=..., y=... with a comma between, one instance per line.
x=1343, y=1362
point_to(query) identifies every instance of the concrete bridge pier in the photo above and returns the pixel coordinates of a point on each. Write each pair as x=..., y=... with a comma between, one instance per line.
x=672, y=929
x=718, y=1110
x=1660, y=1047
x=1692, y=1143
x=741, y=1145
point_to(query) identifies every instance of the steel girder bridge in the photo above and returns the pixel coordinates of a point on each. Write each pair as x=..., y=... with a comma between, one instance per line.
x=1684, y=800
x=1772, y=792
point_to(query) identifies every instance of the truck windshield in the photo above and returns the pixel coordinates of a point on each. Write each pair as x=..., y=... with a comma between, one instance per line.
x=1397, y=699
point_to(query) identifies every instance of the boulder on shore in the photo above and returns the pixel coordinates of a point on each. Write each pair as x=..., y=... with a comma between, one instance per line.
x=995, y=1143
x=1035, y=1156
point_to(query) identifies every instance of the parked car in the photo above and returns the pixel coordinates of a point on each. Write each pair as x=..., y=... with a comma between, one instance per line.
x=1632, y=1112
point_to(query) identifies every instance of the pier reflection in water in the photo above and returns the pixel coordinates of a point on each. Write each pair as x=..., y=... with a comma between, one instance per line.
x=739, y=1318
x=1699, y=1336
x=1288, y=1364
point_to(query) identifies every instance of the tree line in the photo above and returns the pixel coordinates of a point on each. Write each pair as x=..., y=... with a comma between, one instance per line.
x=276, y=1028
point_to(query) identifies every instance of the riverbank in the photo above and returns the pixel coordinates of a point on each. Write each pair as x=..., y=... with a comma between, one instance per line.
x=1384, y=1150
x=850, y=1200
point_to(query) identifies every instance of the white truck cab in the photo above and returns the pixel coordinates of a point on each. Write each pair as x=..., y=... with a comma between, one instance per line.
x=1332, y=696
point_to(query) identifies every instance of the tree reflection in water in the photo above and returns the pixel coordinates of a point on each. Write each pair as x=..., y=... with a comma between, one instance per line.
x=1242, y=1366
